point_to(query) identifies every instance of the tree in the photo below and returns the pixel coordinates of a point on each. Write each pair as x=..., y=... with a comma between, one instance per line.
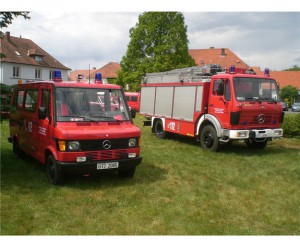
x=289, y=94
x=158, y=42
x=7, y=17
x=294, y=68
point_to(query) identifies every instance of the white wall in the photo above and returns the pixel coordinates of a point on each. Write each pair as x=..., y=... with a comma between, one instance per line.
x=27, y=72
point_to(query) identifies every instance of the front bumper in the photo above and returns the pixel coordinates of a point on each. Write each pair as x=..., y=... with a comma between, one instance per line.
x=254, y=134
x=91, y=167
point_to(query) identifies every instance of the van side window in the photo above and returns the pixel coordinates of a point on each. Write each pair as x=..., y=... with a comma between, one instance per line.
x=46, y=101
x=19, y=99
x=31, y=100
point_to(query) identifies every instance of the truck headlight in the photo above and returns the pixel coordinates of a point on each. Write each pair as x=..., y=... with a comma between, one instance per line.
x=132, y=142
x=73, y=145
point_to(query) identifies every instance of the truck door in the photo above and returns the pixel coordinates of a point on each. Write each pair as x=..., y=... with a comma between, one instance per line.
x=220, y=101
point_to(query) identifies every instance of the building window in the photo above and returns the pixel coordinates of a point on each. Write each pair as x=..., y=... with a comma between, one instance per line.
x=16, y=71
x=51, y=74
x=38, y=73
x=38, y=58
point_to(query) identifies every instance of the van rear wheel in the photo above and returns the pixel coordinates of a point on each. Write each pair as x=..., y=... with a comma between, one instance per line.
x=17, y=150
x=54, y=173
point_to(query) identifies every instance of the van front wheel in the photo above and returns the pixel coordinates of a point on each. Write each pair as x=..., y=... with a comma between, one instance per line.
x=54, y=173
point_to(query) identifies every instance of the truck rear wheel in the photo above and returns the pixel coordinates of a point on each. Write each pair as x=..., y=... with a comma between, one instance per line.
x=159, y=129
x=209, y=139
x=54, y=173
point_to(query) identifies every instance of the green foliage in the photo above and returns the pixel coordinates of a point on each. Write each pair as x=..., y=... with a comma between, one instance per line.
x=158, y=43
x=294, y=68
x=291, y=125
x=289, y=94
x=7, y=17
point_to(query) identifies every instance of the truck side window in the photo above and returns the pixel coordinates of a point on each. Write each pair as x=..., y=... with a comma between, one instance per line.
x=227, y=91
x=217, y=86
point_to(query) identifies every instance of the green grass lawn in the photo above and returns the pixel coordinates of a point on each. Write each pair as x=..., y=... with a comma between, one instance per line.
x=179, y=189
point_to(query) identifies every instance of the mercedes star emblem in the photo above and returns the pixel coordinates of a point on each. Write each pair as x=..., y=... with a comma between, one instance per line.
x=106, y=144
x=261, y=118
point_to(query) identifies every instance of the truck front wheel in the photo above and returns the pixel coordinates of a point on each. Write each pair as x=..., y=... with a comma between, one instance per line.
x=54, y=173
x=209, y=139
x=159, y=129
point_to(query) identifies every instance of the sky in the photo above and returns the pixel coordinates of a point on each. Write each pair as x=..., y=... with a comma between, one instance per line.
x=81, y=37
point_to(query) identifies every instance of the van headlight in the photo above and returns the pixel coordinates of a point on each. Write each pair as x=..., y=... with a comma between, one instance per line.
x=132, y=142
x=73, y=145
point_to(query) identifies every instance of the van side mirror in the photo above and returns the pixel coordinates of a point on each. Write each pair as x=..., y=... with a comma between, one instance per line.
x=220, y=90
x=42, y=112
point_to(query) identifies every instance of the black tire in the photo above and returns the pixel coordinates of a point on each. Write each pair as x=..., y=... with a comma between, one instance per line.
x=257, y=145
x=17, y=150
x=133, y=113
x=54, y=173
x=209, y=139
x=127, y=173
x=159, y=129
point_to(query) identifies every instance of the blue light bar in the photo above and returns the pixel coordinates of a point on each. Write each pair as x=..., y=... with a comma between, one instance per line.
x=232, y=69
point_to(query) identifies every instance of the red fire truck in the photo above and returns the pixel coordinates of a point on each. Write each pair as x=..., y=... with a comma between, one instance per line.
x=219, y=108
x=74, y=127
x=133, y=100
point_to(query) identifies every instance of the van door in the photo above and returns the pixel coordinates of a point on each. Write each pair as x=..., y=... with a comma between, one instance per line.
x=44, y=120
x=28, y=121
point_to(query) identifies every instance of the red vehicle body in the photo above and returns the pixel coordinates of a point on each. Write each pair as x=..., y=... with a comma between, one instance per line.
x=214, y=109
x=133, y=100
x=66, y=126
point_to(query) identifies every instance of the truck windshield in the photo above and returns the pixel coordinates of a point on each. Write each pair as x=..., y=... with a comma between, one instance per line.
x=255, y=89
x=90, y=104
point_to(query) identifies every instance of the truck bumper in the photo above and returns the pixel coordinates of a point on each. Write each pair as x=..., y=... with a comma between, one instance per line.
x=253, y=134
x=93, y=167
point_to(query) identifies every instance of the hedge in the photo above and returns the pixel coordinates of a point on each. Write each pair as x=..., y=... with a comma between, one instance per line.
x=291, y=125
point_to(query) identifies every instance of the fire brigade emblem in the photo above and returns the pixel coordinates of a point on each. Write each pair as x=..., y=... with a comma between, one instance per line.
x=106, y=144
x=261, y=118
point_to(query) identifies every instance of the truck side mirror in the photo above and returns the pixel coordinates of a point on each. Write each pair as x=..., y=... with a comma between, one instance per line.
x=42, y=112
x=220, y=90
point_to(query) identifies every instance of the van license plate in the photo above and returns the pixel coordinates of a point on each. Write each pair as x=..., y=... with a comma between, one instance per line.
x=109, y=165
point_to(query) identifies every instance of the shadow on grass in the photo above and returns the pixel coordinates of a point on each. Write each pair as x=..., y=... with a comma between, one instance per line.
x=29, y=173
x=236, y=147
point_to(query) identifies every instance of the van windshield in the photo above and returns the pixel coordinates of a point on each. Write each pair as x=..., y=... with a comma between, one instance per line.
x=90, y=104
x=256, y=89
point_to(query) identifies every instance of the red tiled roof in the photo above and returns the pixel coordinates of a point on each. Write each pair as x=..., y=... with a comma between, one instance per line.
x=109, y=70
x=221, y=56
x=85, y=73
x=284, y=78
x=22, y=51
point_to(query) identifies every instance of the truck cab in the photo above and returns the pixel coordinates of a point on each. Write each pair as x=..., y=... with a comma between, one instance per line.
x=74, y=127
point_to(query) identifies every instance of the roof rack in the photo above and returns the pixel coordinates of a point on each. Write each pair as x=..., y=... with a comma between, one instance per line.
x=189, y=74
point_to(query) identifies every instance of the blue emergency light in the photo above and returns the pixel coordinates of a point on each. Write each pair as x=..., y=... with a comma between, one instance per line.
x=57, y=76
x=98, y=78
x=267, y=72
x=232, y=69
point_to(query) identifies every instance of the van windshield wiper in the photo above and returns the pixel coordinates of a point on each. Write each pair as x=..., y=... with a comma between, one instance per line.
x=269, y=99
x=253, y=99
